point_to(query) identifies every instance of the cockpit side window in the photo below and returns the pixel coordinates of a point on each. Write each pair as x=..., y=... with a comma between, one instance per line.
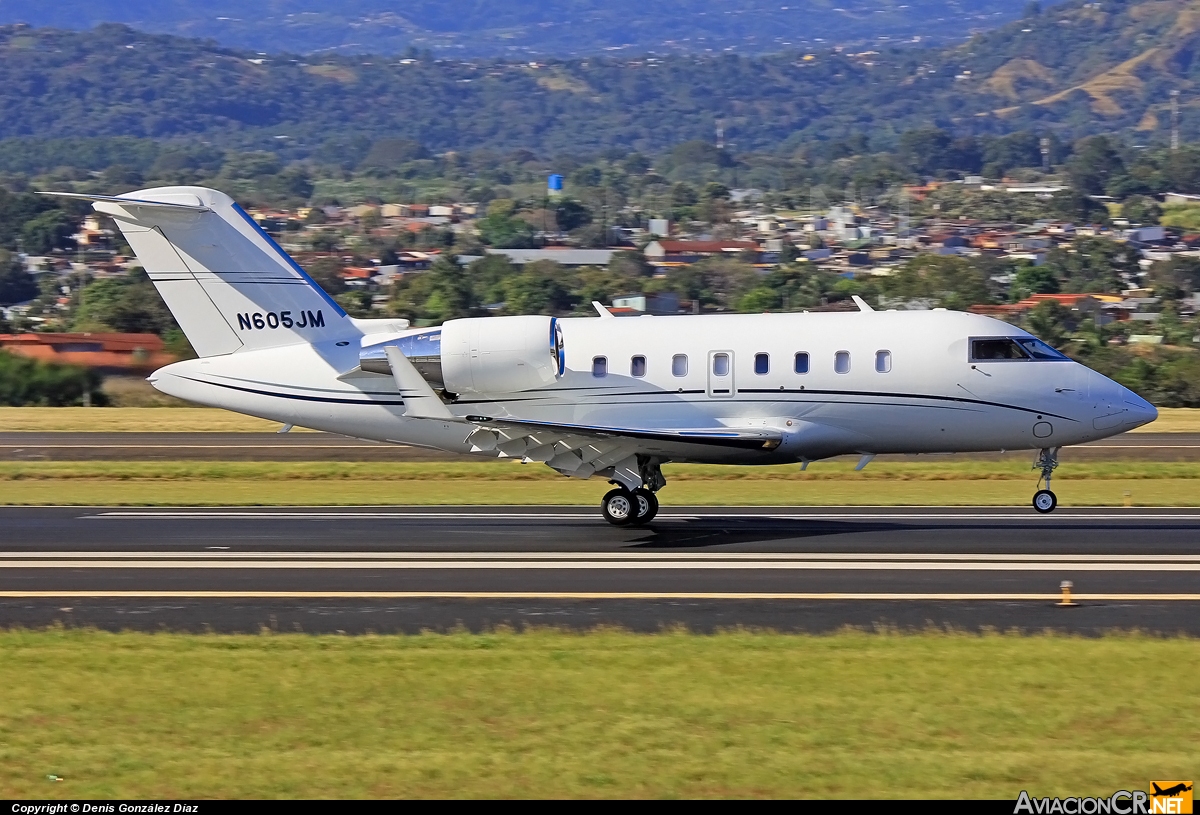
x=993, y=349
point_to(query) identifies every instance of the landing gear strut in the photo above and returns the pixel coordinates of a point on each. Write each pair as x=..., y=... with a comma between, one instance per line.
x=1044, y=500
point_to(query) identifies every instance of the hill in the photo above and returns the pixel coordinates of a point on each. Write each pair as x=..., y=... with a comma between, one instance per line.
x=513, y=27
x=1077, y=69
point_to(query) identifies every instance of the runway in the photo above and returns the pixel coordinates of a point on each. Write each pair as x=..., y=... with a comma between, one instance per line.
x=408, y=568
x=296, y=446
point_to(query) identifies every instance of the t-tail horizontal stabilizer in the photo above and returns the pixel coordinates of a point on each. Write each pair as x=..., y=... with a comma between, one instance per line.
x=228, y=284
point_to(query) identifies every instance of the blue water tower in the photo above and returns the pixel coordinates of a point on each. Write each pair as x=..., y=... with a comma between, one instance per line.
x=554, y=185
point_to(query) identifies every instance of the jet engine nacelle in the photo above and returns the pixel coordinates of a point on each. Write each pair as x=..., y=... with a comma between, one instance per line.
x=501, y=354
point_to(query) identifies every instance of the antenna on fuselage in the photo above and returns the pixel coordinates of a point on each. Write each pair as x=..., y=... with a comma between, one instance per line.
x=861, y=303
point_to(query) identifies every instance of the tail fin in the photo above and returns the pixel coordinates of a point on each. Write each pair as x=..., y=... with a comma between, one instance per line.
x=228, y=284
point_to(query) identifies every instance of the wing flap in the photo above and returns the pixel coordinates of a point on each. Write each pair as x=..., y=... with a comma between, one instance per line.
x=763, y=438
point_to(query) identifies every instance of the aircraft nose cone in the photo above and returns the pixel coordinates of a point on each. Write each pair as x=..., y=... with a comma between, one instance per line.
x=1138, y=410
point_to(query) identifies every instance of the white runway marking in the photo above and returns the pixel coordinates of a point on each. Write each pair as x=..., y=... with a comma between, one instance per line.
x=449, y=557
x=571, y=595
x=586, y=561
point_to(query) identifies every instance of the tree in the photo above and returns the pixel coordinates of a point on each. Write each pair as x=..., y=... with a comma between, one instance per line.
x=1050, y=321
x=1175, y=278
x=1033, y=280
x=16, y=285
x=1095, y=165
x=506, y=232
x=129, y=304
x=251, y=165
x=327, y=272
x=949, y=281
x=760, y=299
x=923, y=150
x=537, y=289
x=683, y=195
x=699, y=152
x=569, y=215
x=1076, y=207
x=1091, y=265
x=450, y=292
x=630, y=265
x=1021, y=149
x=49, y=231
x=30, y=382
x=1140, y=209
x=388, y=154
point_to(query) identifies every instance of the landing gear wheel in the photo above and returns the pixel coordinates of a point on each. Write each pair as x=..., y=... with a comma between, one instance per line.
x=647, y=506
x=1044, y=501
x=619, y=507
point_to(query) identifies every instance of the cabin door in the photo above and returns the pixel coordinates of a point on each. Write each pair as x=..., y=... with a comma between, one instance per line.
x=720, y=375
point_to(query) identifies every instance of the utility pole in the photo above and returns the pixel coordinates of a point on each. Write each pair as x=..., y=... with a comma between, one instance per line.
x=1045, y=144
x=1174, y=120
x=720, y=134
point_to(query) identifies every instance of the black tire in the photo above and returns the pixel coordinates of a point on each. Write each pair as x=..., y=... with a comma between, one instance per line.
x=619, y=507
x=647, y=506
x=1044, y=501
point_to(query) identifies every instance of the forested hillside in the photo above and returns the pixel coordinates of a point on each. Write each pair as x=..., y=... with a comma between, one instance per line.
x=507, y=27
x=1080, y=68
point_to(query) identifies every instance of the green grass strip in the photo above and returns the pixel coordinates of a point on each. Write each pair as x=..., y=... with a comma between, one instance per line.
x=602, y=714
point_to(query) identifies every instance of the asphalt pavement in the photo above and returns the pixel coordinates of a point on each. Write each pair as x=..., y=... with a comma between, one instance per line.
x=412, y=568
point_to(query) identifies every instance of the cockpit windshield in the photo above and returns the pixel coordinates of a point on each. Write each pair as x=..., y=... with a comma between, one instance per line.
x=1038, y=349
x=991, y=349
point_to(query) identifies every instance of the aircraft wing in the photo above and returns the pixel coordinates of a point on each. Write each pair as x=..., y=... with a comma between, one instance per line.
x=581, y=450
x=574, y=449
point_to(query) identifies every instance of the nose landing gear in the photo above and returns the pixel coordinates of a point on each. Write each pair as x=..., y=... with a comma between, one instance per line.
x=1044, y=501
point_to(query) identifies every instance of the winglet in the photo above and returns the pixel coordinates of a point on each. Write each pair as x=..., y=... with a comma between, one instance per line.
x=861, y=303
x=420, y=402
x=600, y=309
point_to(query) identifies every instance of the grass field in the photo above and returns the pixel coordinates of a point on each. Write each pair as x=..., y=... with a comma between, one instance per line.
x=200, y=420
x=969, y=483
x=601, y=714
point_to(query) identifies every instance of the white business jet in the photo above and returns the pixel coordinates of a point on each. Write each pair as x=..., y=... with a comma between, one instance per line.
x=602, y=396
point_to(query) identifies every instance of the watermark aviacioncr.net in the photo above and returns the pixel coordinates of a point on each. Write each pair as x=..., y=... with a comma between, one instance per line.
x=1163, y=798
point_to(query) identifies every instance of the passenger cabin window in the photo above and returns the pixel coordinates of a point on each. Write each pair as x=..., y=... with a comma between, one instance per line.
x=721, y=364
x=801, y=366
x=993, y=349
x=883, y=361
x=841, y=362
x=762, y=363
x=637, y=366
x=679, y=365
x=600, y=366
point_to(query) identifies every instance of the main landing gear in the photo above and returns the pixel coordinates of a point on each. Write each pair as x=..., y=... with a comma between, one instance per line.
x=625, y=507
x=1044, y=500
